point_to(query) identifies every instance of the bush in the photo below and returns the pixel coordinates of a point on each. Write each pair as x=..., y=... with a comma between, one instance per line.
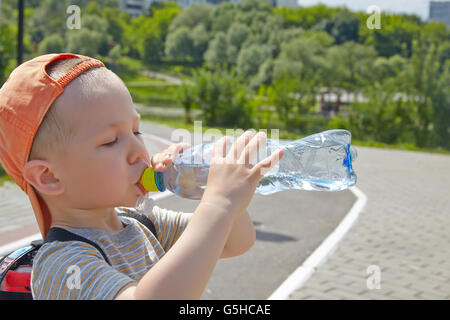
x=307, y=125
x=222, y=98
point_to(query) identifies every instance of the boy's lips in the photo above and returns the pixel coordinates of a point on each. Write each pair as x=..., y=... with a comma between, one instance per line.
x=141, y=188
x=138, y=183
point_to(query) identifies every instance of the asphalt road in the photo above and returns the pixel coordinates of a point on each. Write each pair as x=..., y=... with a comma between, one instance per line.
x=289, y=225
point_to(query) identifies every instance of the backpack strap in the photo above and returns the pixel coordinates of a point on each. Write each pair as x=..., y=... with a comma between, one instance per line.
x=142, y=219
x=60, y=234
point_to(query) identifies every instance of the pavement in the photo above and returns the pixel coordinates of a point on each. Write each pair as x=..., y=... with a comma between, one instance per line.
x=397, y=249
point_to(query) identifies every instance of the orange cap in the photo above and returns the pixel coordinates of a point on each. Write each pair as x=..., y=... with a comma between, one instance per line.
x=24, y=100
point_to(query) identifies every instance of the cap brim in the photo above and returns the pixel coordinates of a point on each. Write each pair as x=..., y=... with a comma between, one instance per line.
x=41, y=211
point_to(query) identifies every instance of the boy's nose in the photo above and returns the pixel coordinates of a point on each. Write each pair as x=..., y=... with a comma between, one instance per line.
x=139, y=152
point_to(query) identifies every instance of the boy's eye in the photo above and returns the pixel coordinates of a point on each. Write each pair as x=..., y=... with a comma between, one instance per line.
x=113, y=142
x=110, y=143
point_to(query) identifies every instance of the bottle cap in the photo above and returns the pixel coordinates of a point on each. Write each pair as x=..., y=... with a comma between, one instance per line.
x=152, y=180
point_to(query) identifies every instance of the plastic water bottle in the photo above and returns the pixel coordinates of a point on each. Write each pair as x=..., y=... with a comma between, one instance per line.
x=321, y=162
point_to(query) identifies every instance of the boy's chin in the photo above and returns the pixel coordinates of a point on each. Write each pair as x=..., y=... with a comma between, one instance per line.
x=129, y=202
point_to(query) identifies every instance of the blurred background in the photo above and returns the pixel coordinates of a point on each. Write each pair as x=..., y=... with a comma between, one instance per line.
x=301, y=67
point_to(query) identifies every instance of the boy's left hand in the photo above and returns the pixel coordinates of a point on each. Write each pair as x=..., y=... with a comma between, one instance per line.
x=161, y=160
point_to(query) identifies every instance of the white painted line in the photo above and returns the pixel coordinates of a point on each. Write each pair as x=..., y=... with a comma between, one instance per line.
x=18, y=244
x=320, y=255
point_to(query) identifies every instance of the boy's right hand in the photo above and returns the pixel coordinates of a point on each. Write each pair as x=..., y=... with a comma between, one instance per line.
x=232, y=180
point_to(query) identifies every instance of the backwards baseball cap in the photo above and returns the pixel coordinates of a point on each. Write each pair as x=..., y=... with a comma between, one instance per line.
x=25, y=98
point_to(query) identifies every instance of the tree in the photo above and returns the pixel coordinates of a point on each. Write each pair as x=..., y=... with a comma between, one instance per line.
x=264, y=75
x=7, y=51
x=349, y=65
x=284, y=96
x=222, y=98
x=116, y=21
x=395, y=36
x=343, y=26
x=304, y=59
x=221, y=17
x=217, y=51
x=304, y=17
x=237, y=34
x=250, y=59
x=51, y=44
x=99, y=26
x=84, y=41
x=179, y=45
x=191, y=17
x=200, y=38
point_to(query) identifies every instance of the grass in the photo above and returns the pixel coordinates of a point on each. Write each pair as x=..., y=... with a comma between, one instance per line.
x=153, y=92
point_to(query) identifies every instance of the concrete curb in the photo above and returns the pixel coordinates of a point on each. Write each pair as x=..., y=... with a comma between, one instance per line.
x=320, y=255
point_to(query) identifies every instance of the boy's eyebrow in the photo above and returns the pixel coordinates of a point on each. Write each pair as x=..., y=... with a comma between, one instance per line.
x=118, y=123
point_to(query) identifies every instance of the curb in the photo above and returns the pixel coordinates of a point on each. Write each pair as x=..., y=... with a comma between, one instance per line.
x=320, y=255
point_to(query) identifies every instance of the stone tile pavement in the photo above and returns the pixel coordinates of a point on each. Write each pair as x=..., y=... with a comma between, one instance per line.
x=403, y=231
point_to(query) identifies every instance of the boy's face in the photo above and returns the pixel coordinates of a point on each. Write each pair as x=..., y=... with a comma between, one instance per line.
x=103, y=164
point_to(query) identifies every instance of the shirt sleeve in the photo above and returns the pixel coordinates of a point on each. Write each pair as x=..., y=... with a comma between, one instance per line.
x=74, y=270
x=169, y=225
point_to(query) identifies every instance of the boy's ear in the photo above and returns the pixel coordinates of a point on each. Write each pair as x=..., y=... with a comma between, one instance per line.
x=39, y=174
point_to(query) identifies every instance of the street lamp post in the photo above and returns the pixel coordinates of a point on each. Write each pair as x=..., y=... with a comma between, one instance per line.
x=20, y=33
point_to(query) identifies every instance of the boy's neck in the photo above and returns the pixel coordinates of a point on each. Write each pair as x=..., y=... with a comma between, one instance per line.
x=106, y=221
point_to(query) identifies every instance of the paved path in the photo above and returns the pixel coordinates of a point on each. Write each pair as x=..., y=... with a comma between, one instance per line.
x=404, y=231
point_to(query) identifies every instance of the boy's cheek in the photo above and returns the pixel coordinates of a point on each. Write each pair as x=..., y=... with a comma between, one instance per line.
x=147, y=158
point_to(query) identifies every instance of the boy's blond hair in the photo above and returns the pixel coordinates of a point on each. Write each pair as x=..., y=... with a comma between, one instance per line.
x=55, y=132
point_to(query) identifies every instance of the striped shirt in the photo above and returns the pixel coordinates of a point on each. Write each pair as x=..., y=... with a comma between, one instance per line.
x=77, y=270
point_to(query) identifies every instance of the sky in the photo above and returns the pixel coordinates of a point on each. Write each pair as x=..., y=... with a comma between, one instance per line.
x=418, y=7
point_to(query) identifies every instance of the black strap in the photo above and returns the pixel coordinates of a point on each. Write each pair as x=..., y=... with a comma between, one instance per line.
x=142, y=219
x=60, y=234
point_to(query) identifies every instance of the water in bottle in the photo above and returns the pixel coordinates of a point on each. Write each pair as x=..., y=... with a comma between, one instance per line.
x=321, y=162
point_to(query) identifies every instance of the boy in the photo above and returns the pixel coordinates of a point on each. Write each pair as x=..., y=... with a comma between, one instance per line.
x=69, y=138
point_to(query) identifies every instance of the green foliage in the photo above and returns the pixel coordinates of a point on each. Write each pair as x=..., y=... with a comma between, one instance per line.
x=255, y=64
x=343, y=26
x=52, y=43
x=305, y=17
x=179, y=45
x=7, y=51
x=220, y=96
x=217, y=51
x=250, y=59
x=192, y=16
x=395, y=36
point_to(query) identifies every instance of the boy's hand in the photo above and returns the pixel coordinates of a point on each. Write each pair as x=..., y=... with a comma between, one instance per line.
x=161, y=160
x=232, y=179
